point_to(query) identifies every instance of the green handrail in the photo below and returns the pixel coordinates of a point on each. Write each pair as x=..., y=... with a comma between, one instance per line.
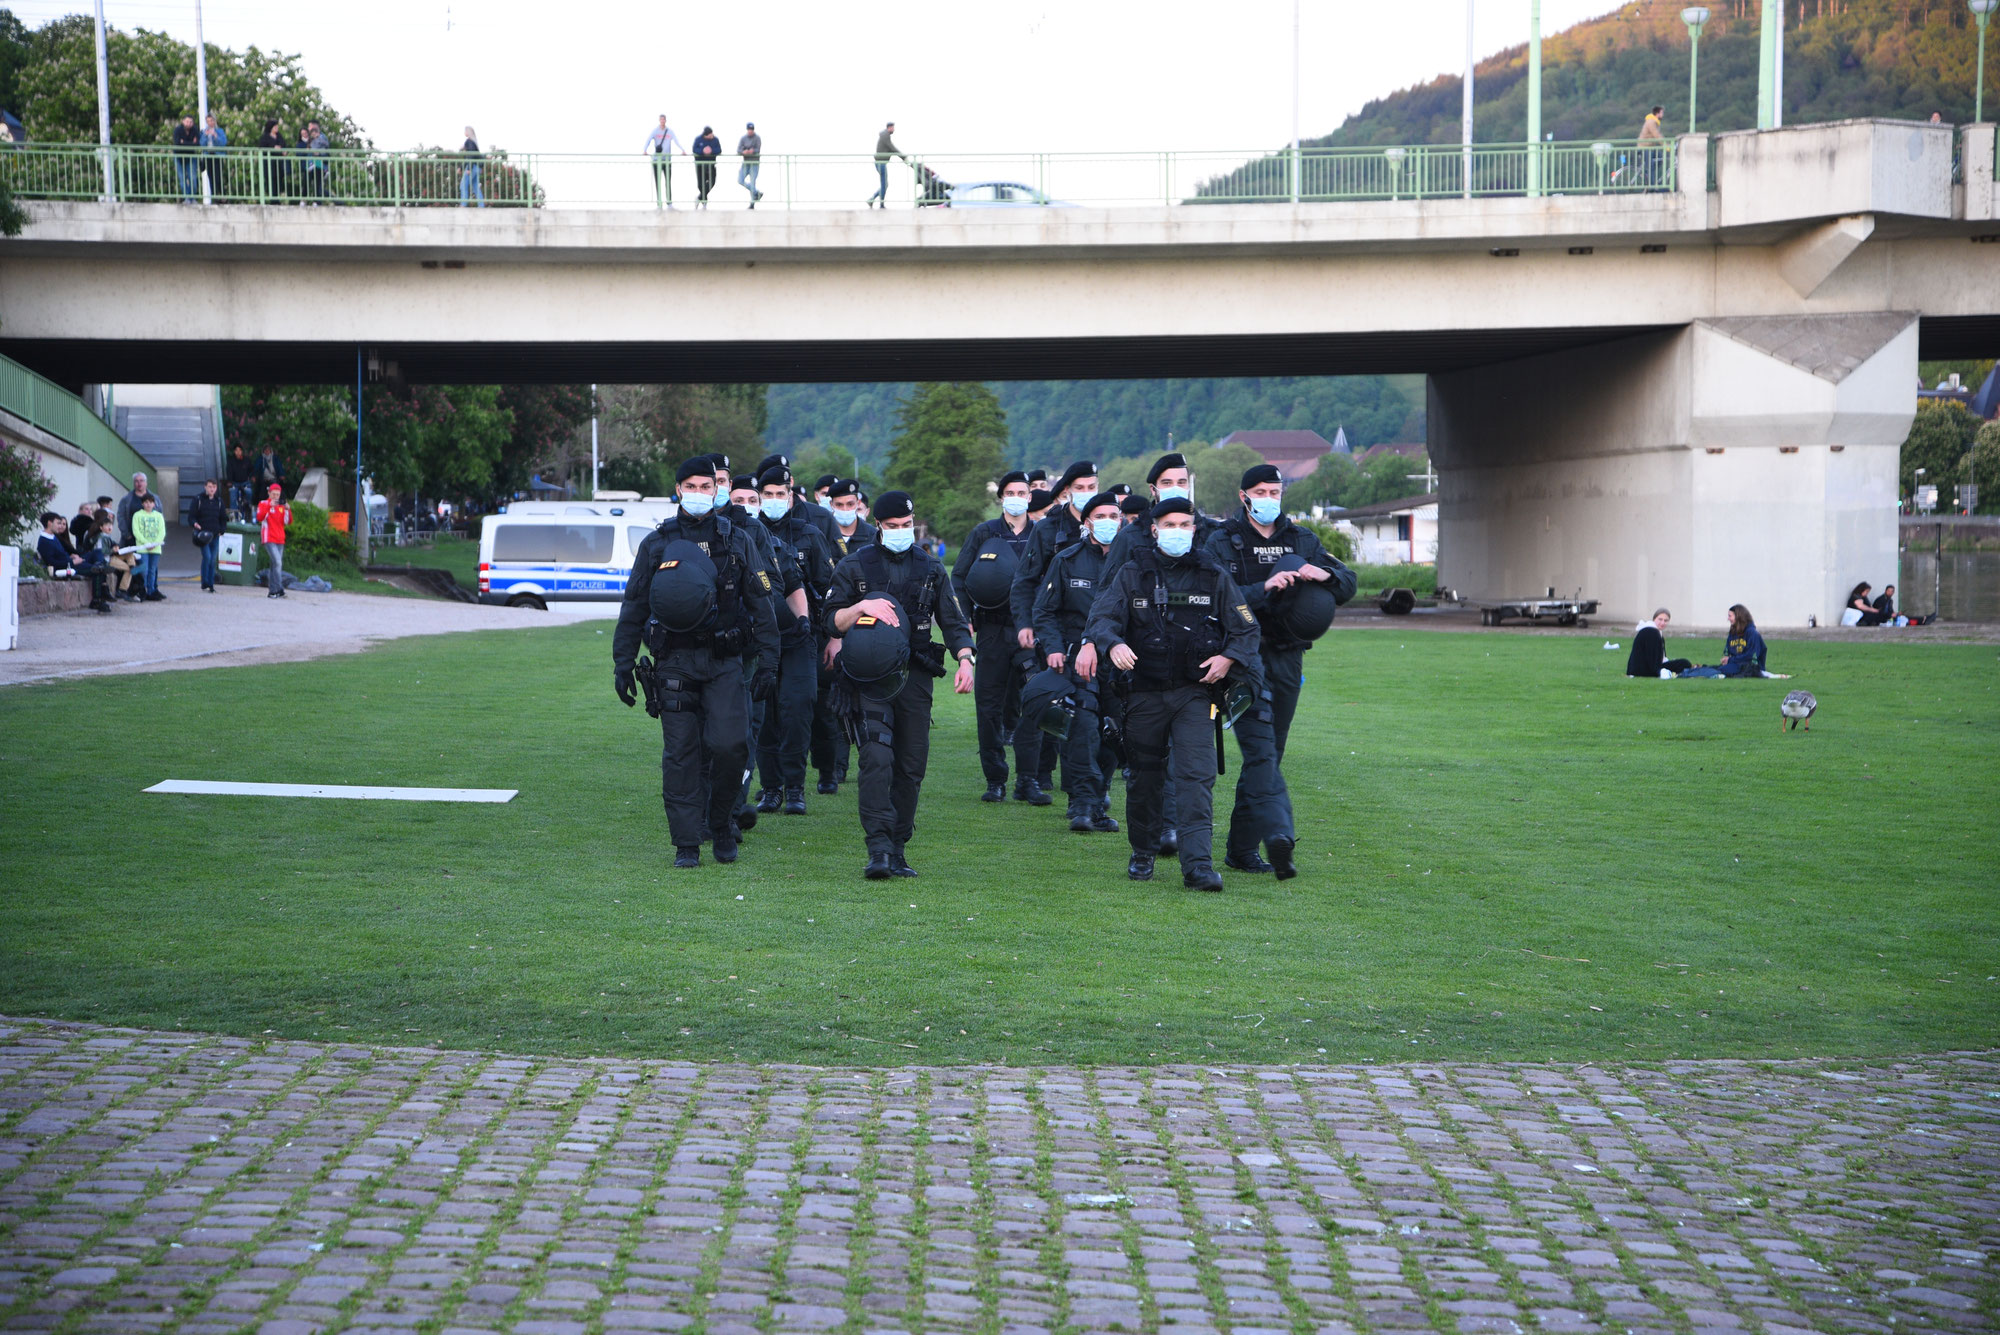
x=441, y=178
x=44, y=404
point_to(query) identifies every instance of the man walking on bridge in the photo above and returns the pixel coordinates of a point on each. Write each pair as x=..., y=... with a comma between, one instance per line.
x=885, y=148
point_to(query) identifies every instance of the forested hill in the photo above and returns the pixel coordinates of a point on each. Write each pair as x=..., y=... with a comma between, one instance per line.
x=1843, y=59
x=1050, y=422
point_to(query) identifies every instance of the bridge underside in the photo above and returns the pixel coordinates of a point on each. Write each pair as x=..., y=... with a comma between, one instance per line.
x=76, y=362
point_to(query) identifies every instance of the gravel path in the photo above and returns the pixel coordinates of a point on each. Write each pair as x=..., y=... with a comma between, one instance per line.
x=200, y=1184
x=233, y=626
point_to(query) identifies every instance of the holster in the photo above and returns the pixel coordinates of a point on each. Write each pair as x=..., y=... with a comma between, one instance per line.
x=927, y=656
x=649, y=686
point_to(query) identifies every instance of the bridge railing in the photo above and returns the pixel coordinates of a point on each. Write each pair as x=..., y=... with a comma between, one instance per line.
x=439, y=178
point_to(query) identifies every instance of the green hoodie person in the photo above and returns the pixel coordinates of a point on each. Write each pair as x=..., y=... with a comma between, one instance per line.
x=149, y=531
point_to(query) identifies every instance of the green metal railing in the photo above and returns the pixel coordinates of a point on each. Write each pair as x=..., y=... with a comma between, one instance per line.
x=47, y=405
x=436, y=178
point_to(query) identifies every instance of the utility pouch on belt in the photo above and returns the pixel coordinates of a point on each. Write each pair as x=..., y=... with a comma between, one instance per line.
x=649, y=687
x=927, y=656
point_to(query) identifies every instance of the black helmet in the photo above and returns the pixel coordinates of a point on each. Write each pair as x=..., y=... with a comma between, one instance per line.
x=875, y=655
x=682, y=596
x=990, y=582
x=1237, y=697
x=1305, y=609
x=1048, y=702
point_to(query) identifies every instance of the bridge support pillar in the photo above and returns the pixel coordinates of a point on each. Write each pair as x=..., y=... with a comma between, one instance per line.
x=1734, y=460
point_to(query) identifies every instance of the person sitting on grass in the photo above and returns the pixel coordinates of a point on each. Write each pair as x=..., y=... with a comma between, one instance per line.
x=1742, y=650
x=1649, y=649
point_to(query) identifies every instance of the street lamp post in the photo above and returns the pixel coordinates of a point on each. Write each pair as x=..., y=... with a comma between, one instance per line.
x=1695, y=16
x=104, y=106
x=1534, y=98
x=1981, y=11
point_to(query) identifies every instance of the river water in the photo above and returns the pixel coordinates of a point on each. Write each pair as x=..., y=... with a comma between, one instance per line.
x=1966, y=589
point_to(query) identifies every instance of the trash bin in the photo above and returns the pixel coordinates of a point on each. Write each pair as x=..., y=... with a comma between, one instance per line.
x=240, y=555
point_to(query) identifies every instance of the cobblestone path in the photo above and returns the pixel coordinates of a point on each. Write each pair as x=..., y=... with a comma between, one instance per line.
x=175, y=1182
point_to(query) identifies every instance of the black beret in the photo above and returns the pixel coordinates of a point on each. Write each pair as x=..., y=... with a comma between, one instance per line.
x=843, y=486
x=894, y=505
x=1179, y=505
x=1101, y=498
x=1135, y=505
x=1081, y=468
x=1121, y=491
x=718, y=463
x=1037, y=475
x=743, y=482
x=1040, y=500
x=1262, y=473
x=775, y=476
x=825, y=480
x=770, y=461
x=1011, y=478
x=1162, y=464
x=699, y=466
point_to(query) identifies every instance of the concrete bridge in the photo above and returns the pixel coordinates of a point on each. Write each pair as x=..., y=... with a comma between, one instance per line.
x=1690, y=397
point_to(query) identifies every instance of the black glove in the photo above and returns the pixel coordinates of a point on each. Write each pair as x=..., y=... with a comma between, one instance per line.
x=763, y=684
x=627, y=687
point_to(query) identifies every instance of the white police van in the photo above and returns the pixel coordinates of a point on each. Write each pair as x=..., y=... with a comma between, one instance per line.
x=535, y=553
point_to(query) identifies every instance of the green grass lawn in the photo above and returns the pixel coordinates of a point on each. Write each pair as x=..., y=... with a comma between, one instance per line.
x=458, y=556
x=1510, y=852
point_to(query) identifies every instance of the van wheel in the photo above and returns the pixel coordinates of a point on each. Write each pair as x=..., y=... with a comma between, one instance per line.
x=527, y=600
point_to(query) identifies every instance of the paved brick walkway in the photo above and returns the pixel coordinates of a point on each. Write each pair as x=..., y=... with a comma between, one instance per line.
x=172, y=1182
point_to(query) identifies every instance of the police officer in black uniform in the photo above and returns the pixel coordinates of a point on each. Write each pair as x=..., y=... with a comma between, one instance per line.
x=895, y=735
x=830, y=750
x=1062, y=610
x=983, y=576
x=1056, y=530
x=806, y=509
x=785, y=734
x=700, y=600
x=1173, y=620
x=789, y=579
x=1254, y=546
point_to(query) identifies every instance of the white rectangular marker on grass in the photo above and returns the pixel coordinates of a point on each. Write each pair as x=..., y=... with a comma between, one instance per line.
x=209, y=788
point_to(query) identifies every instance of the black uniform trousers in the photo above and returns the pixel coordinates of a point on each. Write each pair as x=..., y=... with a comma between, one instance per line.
x=1157, y=723
x=785, y=732
x=829, y=740
x=892, y=767
x=706, y=742
x=996, y=694
x=1082, y=781
x=1284, y=674
x=1263, y=809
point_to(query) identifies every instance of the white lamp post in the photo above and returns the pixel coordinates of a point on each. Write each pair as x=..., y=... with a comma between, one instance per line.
x=1695, y=16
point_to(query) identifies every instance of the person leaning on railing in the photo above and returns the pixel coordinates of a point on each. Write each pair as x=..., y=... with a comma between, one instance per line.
x=213, y=140
x=274, y=174
x=186, y=138
x=312, y=146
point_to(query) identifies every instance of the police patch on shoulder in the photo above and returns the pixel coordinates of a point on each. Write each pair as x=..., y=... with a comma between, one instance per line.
x=764, y=580
x=1243, y=611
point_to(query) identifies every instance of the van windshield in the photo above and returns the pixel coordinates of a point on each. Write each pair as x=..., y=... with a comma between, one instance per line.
x=546, y=544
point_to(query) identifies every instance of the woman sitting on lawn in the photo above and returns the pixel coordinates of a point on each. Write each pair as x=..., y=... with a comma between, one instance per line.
x=1649, y=649
x=1742, y=650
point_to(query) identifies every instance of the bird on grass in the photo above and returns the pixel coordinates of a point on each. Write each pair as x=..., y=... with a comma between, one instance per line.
x=1798, y=707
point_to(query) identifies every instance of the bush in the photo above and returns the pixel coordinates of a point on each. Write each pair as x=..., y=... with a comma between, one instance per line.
x=25, y=491
x=311, y=540
x=1420, y=580
x=1337, y=543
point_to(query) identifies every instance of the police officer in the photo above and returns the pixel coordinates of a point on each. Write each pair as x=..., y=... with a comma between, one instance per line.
x=1039, y=501
x=785, y=733
x=829, y=744
x=1173, y=620
x=701, y=602
x=1062, y=610
x=1268, y=556
x=893, y=580
x=789, y=580
x=821, y=487
x=806, y=509
x=1055, y=531
x=983, y=577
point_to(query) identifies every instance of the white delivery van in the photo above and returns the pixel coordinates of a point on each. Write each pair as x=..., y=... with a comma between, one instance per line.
x=532, y=560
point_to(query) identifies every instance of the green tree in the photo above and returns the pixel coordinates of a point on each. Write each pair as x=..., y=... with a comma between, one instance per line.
x=951, y=444
x=50, y=73
x=1218, y=475
x=1938, y=440
x=25, y=490
x=306, y=426
x=1982, y=466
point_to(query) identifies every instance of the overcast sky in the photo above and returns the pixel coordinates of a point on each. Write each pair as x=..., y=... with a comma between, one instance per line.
x=964, y=76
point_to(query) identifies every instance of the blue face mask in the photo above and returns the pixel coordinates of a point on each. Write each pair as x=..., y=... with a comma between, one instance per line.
x=1015, y=506
x=1173, y=493
x=899, y=539
x=697, y=503
x=1265, y=510
x=1175, y=541
x=1104, y=530
x=775, y=510
x=846, y=518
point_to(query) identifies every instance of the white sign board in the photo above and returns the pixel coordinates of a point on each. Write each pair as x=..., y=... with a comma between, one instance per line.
x=10, y=591
x=229, y=552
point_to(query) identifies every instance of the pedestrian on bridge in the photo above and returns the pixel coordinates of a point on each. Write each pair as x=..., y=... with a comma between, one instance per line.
x=186, y=138
x=885, y=148
x=661, y=146
x=751, y=149
x=213, y=140
x=312, y=146
x=469, y=184
x=707, y=148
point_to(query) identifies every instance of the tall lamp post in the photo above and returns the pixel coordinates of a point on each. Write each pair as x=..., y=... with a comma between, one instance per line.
x=1981, y=11
x=1534, y=98
x=1695, y=16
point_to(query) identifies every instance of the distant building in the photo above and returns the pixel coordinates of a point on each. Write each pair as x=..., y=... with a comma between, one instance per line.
x=1391, y=533
x=1293, y=453
x=1408, y=449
